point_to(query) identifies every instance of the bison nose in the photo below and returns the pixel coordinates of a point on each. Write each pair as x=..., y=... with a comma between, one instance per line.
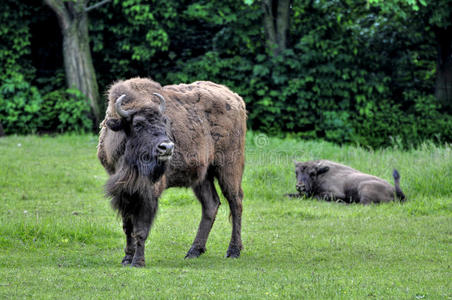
x=165, y=149
x=300, y=186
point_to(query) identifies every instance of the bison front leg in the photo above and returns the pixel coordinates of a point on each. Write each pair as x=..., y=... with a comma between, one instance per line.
x=299, y=195
x=210, y=202
x=129, y=250
x=142, y=222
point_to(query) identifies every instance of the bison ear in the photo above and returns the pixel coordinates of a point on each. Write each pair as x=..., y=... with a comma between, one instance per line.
x=322, y=170
x=115, y=124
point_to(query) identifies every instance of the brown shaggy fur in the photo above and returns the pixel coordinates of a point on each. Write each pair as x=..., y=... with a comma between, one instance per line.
x=207, y=124
x=327, y=180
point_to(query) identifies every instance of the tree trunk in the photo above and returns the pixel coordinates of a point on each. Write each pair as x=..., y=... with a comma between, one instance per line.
x=282, y=23
x=443, y=88
x=78, y=63
x=269, y=26
x=2, y=133
x=276, y=24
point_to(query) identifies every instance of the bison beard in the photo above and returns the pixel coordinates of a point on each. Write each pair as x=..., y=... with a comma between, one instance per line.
x=203, y=120
x=129, y=189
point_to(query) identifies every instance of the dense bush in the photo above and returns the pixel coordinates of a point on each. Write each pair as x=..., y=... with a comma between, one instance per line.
x=361, y=79
x=19, y=106
x=65, y=111
x=24, y=111
x=351, y=72
x=337, y=82
x=15, y=35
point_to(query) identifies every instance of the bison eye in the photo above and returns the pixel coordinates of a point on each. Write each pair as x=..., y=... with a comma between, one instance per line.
x=138, y=125
x=115, y=124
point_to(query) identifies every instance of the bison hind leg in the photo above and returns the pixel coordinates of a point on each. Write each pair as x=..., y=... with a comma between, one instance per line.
x=208, y=197
x=229, y=180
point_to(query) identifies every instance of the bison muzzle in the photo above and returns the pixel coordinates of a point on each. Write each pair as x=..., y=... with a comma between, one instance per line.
x=186, y=135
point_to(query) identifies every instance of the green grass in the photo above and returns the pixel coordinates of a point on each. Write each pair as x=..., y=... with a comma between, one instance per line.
x=59, y=238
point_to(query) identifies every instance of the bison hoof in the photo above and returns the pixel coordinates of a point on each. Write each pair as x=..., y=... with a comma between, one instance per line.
x=195, y=252
x=233, y=252
x=138, y=263
x=127, y=260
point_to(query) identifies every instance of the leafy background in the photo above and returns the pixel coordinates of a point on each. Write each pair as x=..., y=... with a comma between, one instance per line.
x=353, y=71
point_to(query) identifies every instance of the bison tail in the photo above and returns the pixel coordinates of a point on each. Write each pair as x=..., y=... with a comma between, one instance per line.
x=398, y=190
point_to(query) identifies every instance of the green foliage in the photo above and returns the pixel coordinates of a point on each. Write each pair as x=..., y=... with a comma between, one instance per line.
x=353, y=72
x=65, y=111
x=344, y=80
x=126, y=48
x=19, y=106
x=24, y=111
x=15, y=46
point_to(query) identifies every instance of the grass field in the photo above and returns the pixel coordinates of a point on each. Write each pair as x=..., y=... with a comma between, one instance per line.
x=59, y=238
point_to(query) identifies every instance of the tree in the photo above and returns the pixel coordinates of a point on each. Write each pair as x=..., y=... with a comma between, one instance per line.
x=276, y=23
x=78, y=64
x=436, y=15
x=441, y=21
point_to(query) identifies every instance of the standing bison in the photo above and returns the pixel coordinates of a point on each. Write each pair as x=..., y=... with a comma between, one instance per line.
x=186, y=135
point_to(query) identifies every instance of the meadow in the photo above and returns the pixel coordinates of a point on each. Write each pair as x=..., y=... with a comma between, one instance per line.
x=59, y=238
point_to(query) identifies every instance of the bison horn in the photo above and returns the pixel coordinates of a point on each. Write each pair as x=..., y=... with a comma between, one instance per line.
x=162, y=106
x=123, y=113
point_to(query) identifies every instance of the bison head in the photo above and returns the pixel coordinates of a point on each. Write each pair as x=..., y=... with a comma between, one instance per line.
x=148, y=147
x=307, y=174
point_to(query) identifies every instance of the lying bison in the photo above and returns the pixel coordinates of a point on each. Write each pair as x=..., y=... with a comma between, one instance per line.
x=331, y=181
x=186, y=135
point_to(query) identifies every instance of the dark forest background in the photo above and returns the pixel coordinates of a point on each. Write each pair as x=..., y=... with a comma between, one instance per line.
x=376, y=73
